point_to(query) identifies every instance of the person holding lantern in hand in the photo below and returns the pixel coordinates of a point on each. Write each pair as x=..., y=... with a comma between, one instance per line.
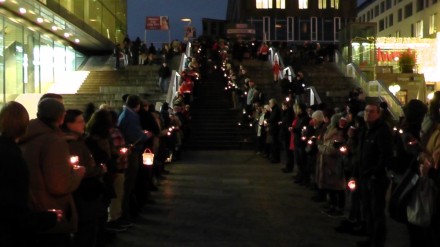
x=130, y=127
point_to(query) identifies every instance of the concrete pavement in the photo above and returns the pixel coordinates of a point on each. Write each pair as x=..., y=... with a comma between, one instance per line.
x=237, y=198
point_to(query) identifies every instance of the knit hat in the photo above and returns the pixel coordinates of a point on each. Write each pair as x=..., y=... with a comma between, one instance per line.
x=50, y=109
x=318, y=116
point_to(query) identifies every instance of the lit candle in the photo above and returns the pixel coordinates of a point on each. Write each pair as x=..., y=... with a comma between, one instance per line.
x=123, y=150
x=74, y=160
x=343, y=149
x=352, y=184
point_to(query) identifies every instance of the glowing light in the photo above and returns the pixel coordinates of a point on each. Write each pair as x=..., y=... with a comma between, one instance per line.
x=67, y=35
x=394, y=88
x=74, y=160
x=40, y=20
x=343, y=149
x=123, y=150
x=352, y=184
x=430, y=96
x=77, y=41
x=54, y=28
x=147, y=157
x=22, y=10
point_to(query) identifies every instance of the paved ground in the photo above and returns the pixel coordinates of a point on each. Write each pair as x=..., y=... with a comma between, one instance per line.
x=236, y=198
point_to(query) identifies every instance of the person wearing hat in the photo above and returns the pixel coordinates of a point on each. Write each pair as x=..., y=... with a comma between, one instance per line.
x=52, y=177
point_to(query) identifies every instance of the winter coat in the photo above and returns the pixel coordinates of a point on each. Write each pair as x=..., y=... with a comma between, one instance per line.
x=330, y=171
x=52, y=178
x=88, y=196
x=130, y=126
x=375, y=150
x=17, y=220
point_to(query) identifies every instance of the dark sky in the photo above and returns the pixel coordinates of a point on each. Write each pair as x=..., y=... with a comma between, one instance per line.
x=175, y=10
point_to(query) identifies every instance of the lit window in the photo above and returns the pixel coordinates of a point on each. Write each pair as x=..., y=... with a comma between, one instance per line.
x=432, y=27
x=281, y=4
x=419, y=29
x=334, y=4
x=303, y=4
x=322, y=4
x=264, y=4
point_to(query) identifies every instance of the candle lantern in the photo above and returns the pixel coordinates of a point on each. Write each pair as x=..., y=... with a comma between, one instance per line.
x=148, y=157
x=352, y=184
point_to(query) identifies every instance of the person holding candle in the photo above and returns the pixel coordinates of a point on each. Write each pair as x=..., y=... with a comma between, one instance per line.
x=52, y=178
x=130, y=127
x=16, y=217
x=88, y=197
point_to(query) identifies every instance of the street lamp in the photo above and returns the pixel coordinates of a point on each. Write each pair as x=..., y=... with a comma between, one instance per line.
x=186, y=20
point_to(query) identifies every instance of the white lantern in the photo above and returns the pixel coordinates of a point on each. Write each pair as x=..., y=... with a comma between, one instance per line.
x=352, y=184
x=148, y=157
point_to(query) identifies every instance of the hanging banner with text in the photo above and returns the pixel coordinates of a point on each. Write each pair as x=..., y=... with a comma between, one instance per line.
x=157, y=23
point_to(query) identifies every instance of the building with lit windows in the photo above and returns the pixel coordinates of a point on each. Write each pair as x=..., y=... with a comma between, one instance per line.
x=406, y=25
x=42, y=40
x=293, y=21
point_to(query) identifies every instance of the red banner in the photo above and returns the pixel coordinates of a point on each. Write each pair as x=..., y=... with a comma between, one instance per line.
x=157, y=23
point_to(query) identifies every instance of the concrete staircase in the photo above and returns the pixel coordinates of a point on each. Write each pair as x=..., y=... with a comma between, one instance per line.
x=108, y=87
x=261, y=73
x=214, y=125
x=332, y=86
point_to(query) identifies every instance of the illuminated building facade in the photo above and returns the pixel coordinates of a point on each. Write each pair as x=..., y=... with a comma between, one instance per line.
x=293, y=21
x=41, y=40
x=402, y=26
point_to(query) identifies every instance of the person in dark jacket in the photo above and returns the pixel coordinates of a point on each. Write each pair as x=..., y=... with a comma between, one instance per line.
x=130, y=126
x=88, y=196
x=17, y=221
x=375, y=154
x=286, y=121
x=274, y=130
x=164, y=77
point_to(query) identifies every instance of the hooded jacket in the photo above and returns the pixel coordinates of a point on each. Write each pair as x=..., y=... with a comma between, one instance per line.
x=52, y=179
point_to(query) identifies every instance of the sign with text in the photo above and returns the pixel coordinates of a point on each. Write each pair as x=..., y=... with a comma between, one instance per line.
x=157, y=23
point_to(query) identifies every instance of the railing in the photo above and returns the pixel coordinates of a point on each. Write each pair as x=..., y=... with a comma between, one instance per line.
x=275, y=56
x=175, y=76
x=371, y=88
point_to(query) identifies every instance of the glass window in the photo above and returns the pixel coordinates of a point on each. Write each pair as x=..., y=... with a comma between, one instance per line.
x=432, y=26
x=390, y=20
x=46, y=62
x=2, y=62
x=281, y=4
x=264, y=4
x=303, y=4
x=382, y=7
x=13, y=60
x=419, y=29
x=376, y=10
x=381, y=25
x=399, y=15
x=420, y=5
x=408, y=10
x=314, y=28
x=388, y=4
x=334, y=4
x=322, y=4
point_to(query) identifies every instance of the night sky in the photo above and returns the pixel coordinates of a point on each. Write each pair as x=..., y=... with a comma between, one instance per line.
x=175, y=10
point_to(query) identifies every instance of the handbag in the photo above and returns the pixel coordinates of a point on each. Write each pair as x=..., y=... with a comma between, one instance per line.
x=400, y=196
x=421, y=205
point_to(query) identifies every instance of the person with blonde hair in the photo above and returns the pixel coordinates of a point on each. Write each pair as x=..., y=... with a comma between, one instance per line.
x=16, y=217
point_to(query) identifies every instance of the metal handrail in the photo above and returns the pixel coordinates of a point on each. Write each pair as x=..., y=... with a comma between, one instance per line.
x=175, y=76
x=275, y=56
x=371, y=88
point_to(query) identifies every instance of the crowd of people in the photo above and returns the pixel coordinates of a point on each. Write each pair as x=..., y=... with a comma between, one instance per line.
x=77, y=178
x=351, y=153
x=137, y=52
x=70, y=172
